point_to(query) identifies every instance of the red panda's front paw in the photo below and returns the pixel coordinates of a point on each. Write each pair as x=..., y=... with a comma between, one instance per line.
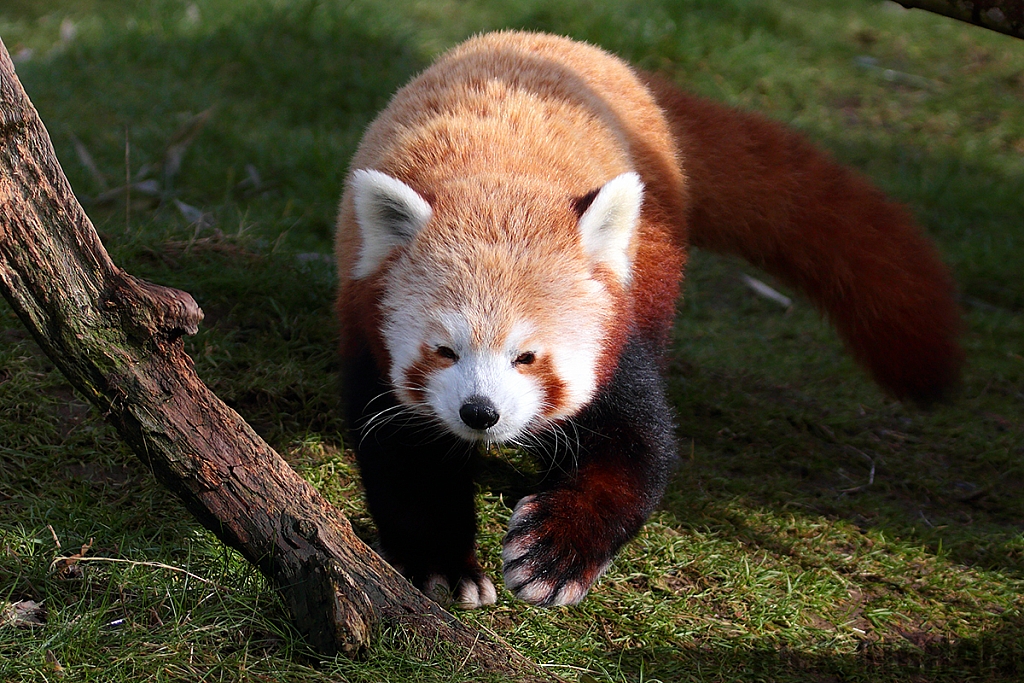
x=470, y=591
x=550, y=558
x=472, y=587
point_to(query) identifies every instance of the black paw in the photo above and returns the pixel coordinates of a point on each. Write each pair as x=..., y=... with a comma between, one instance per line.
x=551, y=555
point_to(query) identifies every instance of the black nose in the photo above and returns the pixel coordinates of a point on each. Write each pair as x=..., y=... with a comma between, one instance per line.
x=479, y=413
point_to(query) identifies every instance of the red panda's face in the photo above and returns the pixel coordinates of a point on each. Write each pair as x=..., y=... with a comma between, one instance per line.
x=494, y=316
x=488, y=366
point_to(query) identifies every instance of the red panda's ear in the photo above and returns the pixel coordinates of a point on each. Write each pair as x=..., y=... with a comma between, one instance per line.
x=389, y=214
x=609, y=222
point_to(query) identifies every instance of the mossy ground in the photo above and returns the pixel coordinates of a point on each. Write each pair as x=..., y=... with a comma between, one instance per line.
x=816, y=531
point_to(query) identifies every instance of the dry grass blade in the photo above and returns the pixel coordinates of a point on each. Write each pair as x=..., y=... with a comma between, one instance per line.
x=252, y=184
x=54, y=664
x=761, y=289
x=195, y=216
x=62, y=562
x=179, y=144
x=89, y=163
x=22, y=613
x=871, y=476
x=148, y=188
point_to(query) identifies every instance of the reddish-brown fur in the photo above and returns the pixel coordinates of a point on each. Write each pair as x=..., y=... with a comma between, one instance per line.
x=552, y=384
x=419, y=373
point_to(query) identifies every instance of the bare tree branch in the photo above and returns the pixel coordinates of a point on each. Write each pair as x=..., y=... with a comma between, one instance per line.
x=1004, y=16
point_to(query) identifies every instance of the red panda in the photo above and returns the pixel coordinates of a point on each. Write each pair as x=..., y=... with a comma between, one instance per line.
x=510, y=248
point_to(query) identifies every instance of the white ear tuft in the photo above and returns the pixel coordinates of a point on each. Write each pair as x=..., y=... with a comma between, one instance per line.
x=607, y=226
x=389, y=213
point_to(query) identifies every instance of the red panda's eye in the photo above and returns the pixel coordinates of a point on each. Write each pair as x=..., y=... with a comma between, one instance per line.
x=524, y=358
x=446, y=352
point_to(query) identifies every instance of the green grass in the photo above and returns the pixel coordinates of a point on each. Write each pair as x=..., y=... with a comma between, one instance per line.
x=816, y=531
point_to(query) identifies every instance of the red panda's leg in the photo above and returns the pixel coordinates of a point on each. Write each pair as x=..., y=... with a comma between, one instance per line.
x=419, y=488
x=561, y=540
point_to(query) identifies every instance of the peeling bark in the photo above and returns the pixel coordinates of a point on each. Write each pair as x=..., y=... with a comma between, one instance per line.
x=118, y=340
x=1004, y=16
